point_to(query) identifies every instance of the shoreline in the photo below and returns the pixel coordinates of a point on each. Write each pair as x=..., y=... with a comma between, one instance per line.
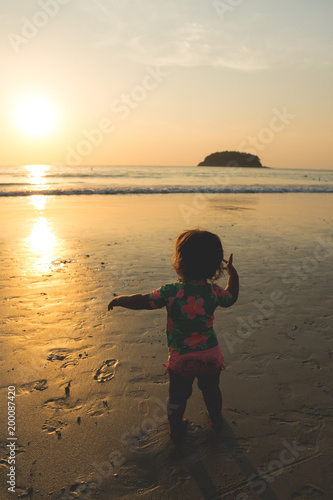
x=143, y=191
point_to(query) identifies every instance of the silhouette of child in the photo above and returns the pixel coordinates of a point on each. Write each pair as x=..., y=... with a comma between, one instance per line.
x=194, y=351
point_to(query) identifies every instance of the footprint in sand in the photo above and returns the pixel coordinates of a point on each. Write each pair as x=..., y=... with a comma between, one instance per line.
x=36, y=385
x=82, y=488
x=98, y=408
x=311, y=363
x=54, y=356
x=156, y=379
x=106, y=371
x=140, y=393
x=53, y=426
x=63, y=403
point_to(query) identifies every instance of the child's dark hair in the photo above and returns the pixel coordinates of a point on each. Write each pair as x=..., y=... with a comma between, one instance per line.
x=198, y=255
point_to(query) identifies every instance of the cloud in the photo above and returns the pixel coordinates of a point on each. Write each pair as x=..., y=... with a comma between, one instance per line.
x=188, y=45
x=191, y=34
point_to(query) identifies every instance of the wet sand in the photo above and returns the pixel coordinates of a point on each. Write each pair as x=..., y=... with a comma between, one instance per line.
x=90, y=390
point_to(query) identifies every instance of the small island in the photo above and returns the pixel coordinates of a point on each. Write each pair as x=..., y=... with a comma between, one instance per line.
x=231, y=159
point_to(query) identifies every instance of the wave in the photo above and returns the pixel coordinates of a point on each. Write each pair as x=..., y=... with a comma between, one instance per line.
x=66, y=191
x=87, y=176
x=93, y=175
x=13, y=184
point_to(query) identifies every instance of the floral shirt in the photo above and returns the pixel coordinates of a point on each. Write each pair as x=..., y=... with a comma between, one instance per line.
x=190, y=313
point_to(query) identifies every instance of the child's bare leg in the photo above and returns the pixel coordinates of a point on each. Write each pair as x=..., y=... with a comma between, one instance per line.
x=180, y=389
x=209, y=385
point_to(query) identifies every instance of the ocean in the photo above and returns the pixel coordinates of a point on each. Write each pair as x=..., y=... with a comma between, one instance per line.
x=111, y=180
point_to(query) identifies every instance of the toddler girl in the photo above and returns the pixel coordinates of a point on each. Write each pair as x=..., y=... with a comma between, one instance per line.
x=194, y=351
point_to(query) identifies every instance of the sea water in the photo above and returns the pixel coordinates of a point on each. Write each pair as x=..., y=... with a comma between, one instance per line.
x=30, y=180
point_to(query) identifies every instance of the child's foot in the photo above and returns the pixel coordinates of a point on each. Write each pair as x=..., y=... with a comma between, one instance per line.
x=216, y=425
x=176, y=433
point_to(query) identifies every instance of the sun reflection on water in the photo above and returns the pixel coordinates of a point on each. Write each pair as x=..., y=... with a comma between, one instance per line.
x=38, y=201
x=42, y=242
x=36, y=174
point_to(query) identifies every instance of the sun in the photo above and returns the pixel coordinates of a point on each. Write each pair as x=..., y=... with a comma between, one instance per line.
x=36, y=117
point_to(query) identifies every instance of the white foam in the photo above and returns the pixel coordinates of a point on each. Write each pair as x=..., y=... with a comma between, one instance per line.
x=66, y=191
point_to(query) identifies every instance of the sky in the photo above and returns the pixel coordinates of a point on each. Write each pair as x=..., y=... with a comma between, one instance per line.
x=163, y=82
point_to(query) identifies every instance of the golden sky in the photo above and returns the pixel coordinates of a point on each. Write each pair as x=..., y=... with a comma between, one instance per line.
x=130, y=82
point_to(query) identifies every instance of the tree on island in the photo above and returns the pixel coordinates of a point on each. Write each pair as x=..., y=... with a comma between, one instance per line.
x=231, y=159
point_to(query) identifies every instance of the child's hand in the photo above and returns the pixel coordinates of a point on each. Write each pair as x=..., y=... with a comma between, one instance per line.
x=233, y=280
x=229, y=267
x=112, y=303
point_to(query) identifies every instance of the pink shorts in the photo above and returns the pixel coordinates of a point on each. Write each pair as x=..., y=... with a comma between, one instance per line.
x=194, y=364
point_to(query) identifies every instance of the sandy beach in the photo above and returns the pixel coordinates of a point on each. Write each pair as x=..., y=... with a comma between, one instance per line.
x=89, y=384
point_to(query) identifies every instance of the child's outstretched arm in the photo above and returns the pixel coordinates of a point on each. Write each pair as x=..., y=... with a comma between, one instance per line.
x=233, y=280
x=137, y=301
